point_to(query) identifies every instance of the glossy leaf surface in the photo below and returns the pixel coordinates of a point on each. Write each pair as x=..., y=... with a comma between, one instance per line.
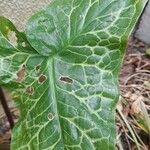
x=64, y=73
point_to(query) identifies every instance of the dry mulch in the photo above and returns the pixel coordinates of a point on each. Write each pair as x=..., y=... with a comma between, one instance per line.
x=134, y=107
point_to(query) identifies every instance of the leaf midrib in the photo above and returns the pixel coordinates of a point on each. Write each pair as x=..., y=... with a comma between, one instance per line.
x=52, y=84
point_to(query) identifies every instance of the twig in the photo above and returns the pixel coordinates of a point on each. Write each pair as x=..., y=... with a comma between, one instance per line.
x=125, y=132
x=130, y=129
x=145, y=148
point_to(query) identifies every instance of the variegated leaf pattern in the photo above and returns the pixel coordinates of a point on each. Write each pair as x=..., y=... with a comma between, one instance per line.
x=63, y=72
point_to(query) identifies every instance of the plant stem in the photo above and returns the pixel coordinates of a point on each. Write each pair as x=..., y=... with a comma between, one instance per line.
x=6, y=108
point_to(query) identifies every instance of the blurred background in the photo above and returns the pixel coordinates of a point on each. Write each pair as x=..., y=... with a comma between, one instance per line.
x=133, y=110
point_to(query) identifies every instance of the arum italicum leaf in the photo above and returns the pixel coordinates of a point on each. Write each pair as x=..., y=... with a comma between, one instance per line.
x=64, y=73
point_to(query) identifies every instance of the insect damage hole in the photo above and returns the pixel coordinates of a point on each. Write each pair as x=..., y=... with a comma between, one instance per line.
x=30, y=90
x=21, y=73
x=12, y=38
x=42, y=78
x=23, y=44
x=50, y=116
x=38, y=69
x=66, y=79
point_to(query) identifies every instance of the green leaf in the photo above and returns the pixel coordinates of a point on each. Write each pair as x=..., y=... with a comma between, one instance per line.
x=64, y=75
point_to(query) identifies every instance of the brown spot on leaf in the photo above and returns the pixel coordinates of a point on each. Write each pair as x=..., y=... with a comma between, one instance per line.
x=66, y=79
x=42, y=78
x=12, y=37
x=21, y=73
x=37, y=68
x=50, y=116
x=30, y=90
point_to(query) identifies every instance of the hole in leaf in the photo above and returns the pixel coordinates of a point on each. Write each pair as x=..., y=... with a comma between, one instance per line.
x=21, y=73
x=12, y=37
x=23, y=44
x=50, y=116
x=66, y=79
x=42, y=78
x=30, y=90
x=37, y=68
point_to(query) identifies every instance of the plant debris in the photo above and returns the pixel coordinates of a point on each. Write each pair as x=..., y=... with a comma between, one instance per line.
x=134, y=134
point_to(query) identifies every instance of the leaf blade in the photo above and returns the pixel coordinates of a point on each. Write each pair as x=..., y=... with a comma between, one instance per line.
x=70, y=91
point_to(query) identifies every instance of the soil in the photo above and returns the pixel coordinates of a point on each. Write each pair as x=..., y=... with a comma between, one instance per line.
x=134, y=103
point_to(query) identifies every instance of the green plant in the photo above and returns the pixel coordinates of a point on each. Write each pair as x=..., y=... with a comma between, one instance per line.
x=63, y=72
